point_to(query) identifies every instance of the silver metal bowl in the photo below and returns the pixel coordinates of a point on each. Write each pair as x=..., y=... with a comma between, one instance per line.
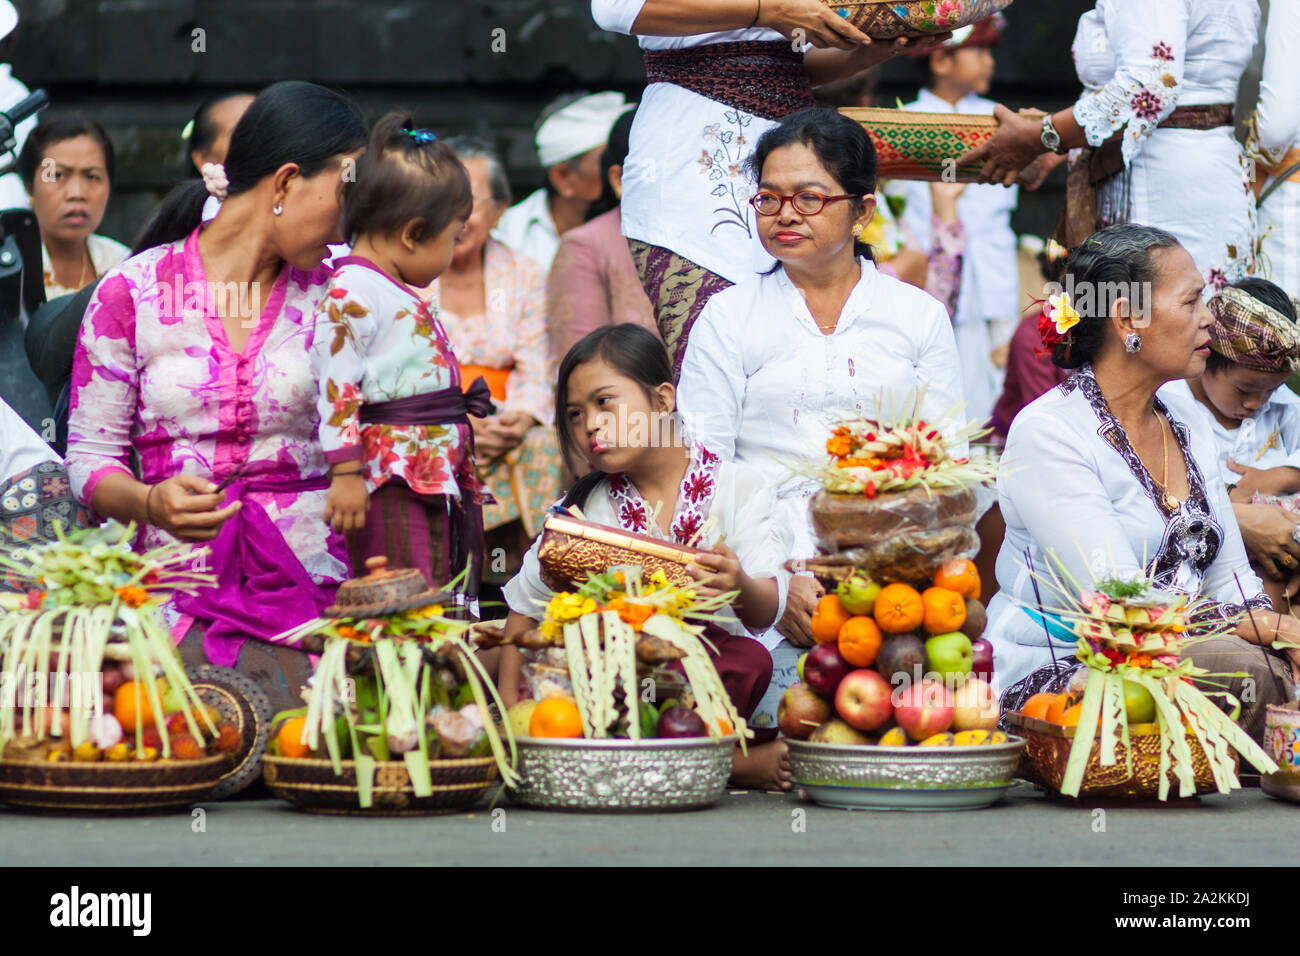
x=620, y=775
x=905, y=778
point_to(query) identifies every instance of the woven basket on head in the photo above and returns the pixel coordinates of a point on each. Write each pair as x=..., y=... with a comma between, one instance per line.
x=311, y=784
x=924, y=146
x=888, y=19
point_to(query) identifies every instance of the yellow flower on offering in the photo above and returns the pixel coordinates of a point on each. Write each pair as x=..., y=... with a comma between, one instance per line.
x=658, y=580
x=428, y=610
x=569, y=607
x=1061, y=312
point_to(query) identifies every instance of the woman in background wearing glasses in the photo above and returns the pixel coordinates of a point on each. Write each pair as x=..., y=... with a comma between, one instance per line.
x=773, y=360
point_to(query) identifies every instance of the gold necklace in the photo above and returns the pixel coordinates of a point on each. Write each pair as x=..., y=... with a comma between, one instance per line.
x=1171, y=503
x=86, y=260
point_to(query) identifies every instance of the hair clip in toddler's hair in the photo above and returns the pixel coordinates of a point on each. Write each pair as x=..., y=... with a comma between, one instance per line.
x=421, y=136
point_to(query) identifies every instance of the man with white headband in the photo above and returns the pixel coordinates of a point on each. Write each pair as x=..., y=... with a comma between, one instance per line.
x=570, y=139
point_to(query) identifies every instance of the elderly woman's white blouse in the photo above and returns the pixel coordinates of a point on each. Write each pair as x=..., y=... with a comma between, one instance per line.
x=1268, y=439
x=762, y=384
x=737, y=504
x=1070, y=486
x=684, y=181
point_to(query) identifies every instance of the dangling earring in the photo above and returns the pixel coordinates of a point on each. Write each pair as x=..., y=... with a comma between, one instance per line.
x=1132, y=342
x=277, y=208
x=857, y=230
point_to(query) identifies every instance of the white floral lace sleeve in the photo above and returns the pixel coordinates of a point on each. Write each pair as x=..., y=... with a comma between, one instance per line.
x=1149, y=41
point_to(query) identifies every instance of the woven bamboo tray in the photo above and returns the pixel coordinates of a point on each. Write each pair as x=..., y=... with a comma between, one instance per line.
x=571, y=550
x=129, y=787
x=888, y=19
x=310, y=784
x=1047, y=750
x=924, y=146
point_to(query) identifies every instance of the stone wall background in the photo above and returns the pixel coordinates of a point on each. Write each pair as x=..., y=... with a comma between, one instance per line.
x=133, y=65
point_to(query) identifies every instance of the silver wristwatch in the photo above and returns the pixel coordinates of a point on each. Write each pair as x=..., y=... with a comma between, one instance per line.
x=1051, y=138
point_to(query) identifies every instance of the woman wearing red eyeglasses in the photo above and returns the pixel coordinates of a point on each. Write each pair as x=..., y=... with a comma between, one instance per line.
x=773, y=359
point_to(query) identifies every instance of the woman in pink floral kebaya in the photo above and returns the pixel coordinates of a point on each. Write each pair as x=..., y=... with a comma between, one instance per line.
x=193, y=400
x=393, y=417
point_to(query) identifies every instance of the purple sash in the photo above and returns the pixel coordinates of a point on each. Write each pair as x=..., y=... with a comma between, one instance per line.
x=262, y=588
x=449, y=406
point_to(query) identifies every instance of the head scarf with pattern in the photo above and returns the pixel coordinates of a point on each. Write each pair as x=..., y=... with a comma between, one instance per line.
x=1252, y=334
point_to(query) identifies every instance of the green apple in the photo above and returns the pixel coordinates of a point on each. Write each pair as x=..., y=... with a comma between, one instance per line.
x=1139, y=705
x=802, y=658
x=858, y=594
x=950, y=656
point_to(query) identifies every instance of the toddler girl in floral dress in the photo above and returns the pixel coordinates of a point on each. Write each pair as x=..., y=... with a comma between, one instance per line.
x=394, y=418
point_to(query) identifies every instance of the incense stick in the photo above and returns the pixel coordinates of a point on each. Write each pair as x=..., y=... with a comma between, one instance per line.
x=1042, y=617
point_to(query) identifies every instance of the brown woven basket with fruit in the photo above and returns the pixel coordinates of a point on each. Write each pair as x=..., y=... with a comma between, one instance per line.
x=1047, y=751
x=129, y=787
x=888, y=19
x=572, y=550
x=312, y=785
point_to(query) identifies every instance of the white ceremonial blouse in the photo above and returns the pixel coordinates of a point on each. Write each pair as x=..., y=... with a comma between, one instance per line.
x=1067, y=491
x=1138, y=61
x=684, y=181
x=742, y=509
x=761, y=384
x=1268, y=439
x=990, y=279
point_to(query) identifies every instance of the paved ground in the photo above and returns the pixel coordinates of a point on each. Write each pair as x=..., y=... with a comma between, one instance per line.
x=744, y=828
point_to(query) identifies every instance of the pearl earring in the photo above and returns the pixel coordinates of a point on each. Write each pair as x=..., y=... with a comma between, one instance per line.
x=277, y=208
x=1132, y=342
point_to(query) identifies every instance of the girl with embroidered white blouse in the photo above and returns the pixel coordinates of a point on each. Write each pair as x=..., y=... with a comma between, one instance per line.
x=615, y=408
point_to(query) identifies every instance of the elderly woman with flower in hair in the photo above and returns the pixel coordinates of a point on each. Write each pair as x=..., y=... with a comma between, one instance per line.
x=1243, y=402
x=1101, y=479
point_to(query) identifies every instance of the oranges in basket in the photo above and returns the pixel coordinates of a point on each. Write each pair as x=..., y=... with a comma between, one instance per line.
x=828, y=618
x=959, y=575
x=289, y=739
x=899, y=609
x=555, y=717
x=860, y=641
x=945, y=610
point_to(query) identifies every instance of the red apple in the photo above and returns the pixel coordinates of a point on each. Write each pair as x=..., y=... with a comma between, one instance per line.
x=982, y=658
x=862, y=700
x=924, y=709
x=974, y=706
x=825, y=668
x=801, y=711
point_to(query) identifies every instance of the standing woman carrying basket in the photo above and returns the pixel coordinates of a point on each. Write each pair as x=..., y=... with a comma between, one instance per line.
x=718, y=74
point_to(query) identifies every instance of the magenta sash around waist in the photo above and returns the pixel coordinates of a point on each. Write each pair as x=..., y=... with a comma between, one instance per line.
x=449, y=406
x=262, y=589
x=764, y=77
